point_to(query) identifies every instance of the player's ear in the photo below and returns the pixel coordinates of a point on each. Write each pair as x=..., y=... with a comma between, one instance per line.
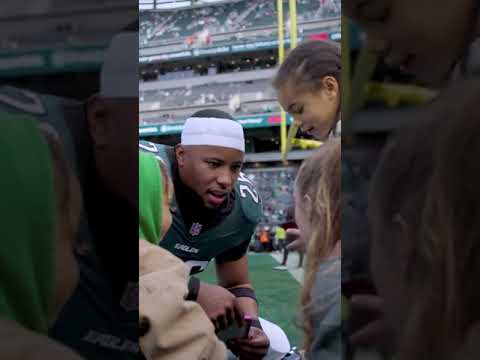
x=97, y=120
x=330, y=85
x=180, y=154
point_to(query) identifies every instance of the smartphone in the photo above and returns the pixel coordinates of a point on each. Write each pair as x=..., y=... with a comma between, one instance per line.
x=236, y=332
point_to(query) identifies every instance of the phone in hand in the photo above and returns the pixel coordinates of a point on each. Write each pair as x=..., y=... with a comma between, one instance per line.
x=235, y=332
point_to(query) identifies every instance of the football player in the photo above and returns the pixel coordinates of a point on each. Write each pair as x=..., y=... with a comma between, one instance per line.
x=215, y=212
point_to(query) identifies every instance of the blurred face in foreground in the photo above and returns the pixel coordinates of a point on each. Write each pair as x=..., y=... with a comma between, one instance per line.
x=424, y=37
x=113, y=124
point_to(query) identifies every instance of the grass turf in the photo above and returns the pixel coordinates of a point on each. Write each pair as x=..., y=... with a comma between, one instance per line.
x=277, y=293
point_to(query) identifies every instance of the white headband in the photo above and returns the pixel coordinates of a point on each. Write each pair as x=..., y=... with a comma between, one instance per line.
x=119, y=75
x=214, y=132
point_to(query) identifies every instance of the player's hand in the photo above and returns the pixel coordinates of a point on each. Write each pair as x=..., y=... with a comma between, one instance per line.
x=373, y=333
x=297, y=243
x=255, y=347
x=220, y=306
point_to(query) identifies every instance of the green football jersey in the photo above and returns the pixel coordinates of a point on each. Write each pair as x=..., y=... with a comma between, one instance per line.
x=197, y=247
x=94, y=322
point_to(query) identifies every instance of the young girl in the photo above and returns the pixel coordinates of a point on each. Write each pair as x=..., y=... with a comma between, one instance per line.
x=40, y=211
x=308, y=87
x=317, y=213
x=170, y=327
x=424, y=211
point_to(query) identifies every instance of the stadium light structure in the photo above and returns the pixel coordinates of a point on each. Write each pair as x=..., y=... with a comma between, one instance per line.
x=162, y=4
x=208, y=1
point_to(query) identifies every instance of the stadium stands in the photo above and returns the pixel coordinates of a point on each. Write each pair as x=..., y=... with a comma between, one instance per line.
x=235, y=66
x=171, y=90
x=275, y=186
x=162, y=27
x=251, y=97
x=210, y=93
x=158, y=116
x=184, y=23
x=242, y=90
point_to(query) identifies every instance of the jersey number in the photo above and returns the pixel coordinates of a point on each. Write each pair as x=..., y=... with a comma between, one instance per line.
x=244, y=189
x=247, y=188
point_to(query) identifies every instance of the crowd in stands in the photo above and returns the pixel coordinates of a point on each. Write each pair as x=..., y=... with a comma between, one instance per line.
x=307, y=10
x=213, y=93
x=248, y=97
x=173, y=116
x=275, y=187
x=181, y=24
x=154, y=72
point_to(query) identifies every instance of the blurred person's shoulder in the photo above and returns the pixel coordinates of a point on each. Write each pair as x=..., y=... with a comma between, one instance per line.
x=326, y=291
x=325, y=310
x=65, y=116
x=163, y=152
x=329, y=269
x=51, y=108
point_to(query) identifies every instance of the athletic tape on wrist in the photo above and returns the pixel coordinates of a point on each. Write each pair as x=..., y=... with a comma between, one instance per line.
x=243, y=292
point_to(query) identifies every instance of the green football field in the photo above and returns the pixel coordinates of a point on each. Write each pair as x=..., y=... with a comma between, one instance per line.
x=277, y=292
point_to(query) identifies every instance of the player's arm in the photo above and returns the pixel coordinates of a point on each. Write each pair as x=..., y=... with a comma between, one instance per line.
x=234, y=275
x=218, y=302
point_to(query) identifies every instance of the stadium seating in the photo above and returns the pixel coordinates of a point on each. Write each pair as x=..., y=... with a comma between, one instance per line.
x=263, y=15
x=245, y=14
x=275, y=187
x=213, y=93
x=179, y=115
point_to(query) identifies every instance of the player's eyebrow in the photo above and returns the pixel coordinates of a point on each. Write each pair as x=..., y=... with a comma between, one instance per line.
x=214, y=159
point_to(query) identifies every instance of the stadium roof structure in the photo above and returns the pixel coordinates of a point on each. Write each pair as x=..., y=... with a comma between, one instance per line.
x=12, y=9
x=167, y=5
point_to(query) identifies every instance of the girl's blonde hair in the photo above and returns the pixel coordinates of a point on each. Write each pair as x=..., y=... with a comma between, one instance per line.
x=319, y=178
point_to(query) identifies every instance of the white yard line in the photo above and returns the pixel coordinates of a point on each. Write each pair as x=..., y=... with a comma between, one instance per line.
x=292, y=264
